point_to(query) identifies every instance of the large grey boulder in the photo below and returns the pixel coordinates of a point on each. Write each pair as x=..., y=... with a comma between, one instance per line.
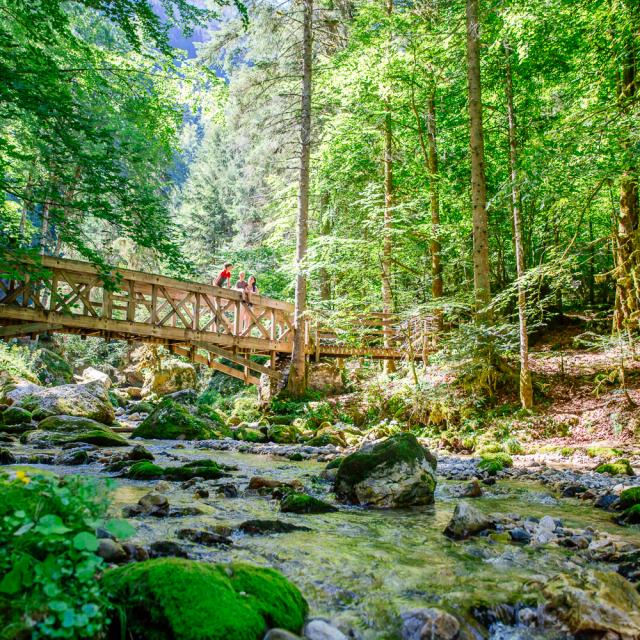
x=89, y=400
x=171, y=376
x=59, y=430
x=396, y=472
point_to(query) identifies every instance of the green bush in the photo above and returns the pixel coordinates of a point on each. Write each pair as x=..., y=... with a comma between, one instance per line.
x=620, y=467
x=16, y=361
x=492, y=463
x=48, y=564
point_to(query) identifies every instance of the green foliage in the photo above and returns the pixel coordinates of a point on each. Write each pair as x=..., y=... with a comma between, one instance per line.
x=235, y=602
x=630, y=497
x=620, y=467
x=48, y=565
x=17, y=362
x=92, y=352
x=492, y=463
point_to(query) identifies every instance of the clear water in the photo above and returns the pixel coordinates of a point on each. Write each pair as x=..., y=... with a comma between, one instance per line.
x=363, y=567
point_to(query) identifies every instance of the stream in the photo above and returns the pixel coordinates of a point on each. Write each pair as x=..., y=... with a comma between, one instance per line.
x=361, y=567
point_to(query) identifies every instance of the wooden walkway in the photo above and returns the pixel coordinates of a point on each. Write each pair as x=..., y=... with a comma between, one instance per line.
x=199, y=321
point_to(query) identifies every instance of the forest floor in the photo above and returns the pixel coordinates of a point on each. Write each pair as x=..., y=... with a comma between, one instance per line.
x=596, y=392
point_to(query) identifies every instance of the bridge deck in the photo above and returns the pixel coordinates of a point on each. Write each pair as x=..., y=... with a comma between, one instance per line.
x=186, y=316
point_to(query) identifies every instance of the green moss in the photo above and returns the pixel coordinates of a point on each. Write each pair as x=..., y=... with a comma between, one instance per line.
x=620, y=467
x=16, y=415
x=607, y=453
x=207, y=469
x=632, y=515
x=145, y=470
x=66, y=429
x=234, y=602
x=630, y=497
x=492, y=463
x=335, y=463
x=284, y=434
x=323, y=439
x=247, y=434
x=302, y=503
x=51, y=368
x=173, y=421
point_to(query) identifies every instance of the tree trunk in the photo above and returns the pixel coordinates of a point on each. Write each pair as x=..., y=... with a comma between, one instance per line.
x=297, y=381
x=628, y=262
x=481, y=279
x=437, y=286
x=387, y=240
x=44, y=229
x=324, y=274
x=526, y=387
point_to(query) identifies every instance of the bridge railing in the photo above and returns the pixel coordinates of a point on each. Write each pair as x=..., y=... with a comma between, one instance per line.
x=145, y=304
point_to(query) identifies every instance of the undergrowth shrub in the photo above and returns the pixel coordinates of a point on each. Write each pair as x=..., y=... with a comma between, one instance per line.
x=48, y=564
x=17, y=362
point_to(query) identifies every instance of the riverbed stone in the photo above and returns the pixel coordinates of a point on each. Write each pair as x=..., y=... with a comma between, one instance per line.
x=111, y=551
x=429, y=624
x=234, y=601
x=205, y=538
x=396, y=472
x=261, y=527
x=281, y=634
x=595, y=603
x=15, y=415
x=6, y=457
x=67, y=429
x=303, y=503
x=321, y=629
x=172, y=375
x=467, y=521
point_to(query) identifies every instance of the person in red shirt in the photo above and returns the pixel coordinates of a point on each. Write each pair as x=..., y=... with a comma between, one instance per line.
x=224, y=276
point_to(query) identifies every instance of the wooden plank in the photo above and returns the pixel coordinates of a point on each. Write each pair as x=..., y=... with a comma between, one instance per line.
x=11, y=331
x=245, y=362
x=230, y=371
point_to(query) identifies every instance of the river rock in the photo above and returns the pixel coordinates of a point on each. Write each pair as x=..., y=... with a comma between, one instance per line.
x=111, y=551
x=325, y=377
x=518, y=534
x=166, y=549
x=73, y=458
x=321, y=629
x=51, y=368
x=67, y=429
x=15, y=415
x=205, y=538
x=593, y=604
x=429, y=624
x=172, y=375
x=258, y=527
x=303, y=503
x=151, y=504
x=466, y=521
x=396, y=472
x=89, y=400
x=6, y=457
x=281, y=634
x=13, y=390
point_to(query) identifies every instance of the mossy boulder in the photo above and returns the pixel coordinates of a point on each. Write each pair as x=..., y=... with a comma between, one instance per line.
x=89, y=400
x=155, y=600
x=630, y=497
x=621, y=467
x=172, y=375
x=245, y=433
x=51, y=368
x=172, y=420
x=15, y=415
x=59, y=430
x=396, y=472
x=284, y=433
x=303, y=503
x=207, y=469
x=630, y=515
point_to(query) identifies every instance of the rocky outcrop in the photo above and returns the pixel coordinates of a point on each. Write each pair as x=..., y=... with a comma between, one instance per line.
x=396, y=472
x=171, y=376
x=89, y=400
x=595, y=604
x=59, y=430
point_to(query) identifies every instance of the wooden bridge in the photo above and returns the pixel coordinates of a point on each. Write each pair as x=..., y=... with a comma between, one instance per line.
x=199, y=321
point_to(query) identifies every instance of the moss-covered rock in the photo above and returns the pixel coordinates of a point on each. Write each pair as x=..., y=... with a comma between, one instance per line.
x=59, y=430
x=630, y=515
x=51, y=368
x=207, y=469
x=170, y=376
x=303, y=503
x=284, y=433
x=89, y=400
x=594, y=604
x=630, y=497
x=620, y=467
x=234, y=602
x=492, y=463
x=172, y=420
x=145, y=470
x=15, y=415
x=246, y=433
x=264, y=527
x=396, y=472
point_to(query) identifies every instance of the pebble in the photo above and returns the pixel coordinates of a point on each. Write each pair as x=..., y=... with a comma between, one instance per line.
x=321, y=629
x=520, y=535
